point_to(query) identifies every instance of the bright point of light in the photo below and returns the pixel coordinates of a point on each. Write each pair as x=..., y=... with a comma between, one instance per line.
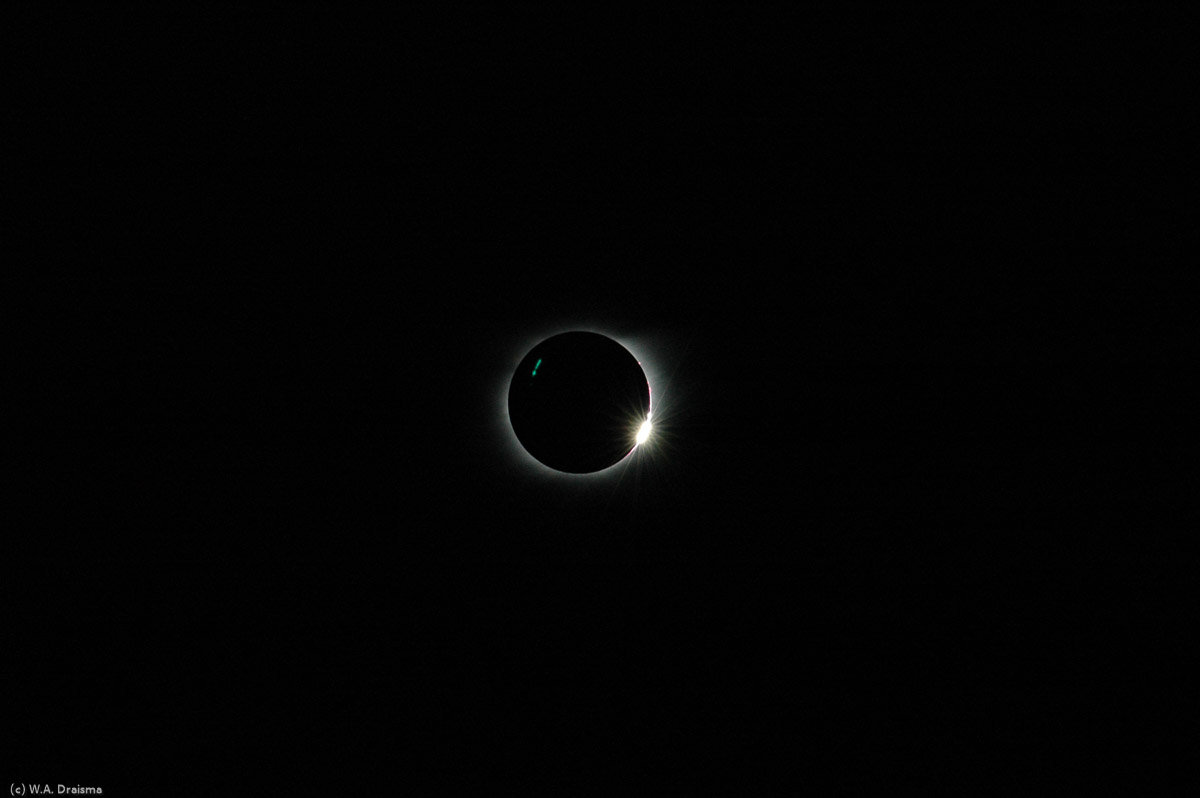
x=644, y=432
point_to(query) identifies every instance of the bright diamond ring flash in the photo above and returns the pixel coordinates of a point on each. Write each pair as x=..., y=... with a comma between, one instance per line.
x=644, y=432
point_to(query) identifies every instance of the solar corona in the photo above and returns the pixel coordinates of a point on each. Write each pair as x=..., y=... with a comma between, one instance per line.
x=579, y=402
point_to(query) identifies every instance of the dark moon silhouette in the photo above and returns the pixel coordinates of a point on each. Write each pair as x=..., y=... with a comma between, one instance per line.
x=577, y=400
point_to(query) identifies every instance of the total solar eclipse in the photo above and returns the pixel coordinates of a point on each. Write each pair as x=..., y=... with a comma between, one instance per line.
x=579, y=402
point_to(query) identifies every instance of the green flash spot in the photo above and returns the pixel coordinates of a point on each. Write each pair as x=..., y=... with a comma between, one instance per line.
x=535, y=366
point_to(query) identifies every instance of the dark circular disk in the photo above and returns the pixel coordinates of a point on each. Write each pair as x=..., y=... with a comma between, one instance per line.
x=577, y=400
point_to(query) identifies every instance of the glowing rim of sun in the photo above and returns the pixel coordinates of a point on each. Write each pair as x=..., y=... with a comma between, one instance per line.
x=640, y=429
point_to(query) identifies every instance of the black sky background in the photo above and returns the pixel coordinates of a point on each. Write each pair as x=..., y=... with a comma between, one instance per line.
x=278, y=524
